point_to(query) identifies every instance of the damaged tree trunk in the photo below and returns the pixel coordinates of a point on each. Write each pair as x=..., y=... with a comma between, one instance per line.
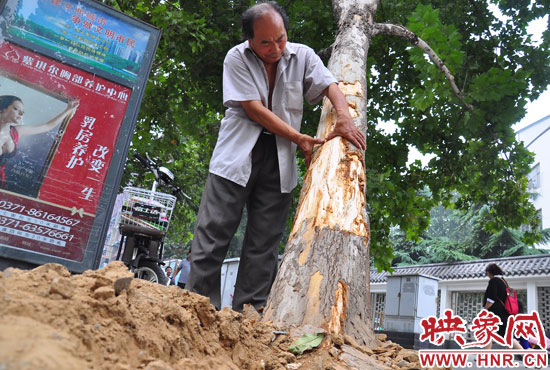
x=324, y=276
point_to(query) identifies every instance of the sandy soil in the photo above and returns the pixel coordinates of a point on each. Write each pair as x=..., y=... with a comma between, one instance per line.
x=105, y=319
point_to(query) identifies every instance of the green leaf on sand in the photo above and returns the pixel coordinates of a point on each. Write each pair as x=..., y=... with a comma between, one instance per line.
x=306, y=342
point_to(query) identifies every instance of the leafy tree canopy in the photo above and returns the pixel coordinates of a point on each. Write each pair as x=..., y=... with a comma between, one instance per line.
x=455, y=236
x=475, y=154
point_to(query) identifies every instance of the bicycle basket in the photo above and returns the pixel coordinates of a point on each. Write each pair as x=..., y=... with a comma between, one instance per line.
x=147, y=209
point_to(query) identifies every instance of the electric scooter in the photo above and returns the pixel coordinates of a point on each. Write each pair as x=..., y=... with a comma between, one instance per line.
x=144, y=220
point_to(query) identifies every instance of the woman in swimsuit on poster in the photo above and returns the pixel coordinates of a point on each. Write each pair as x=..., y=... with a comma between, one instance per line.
x=11, y=127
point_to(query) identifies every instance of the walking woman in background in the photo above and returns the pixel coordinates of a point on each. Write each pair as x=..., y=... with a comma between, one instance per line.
x=12, y=110
x=495, y=294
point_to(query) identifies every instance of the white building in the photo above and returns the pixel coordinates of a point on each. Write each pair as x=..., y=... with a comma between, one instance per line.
x=536, y=138
x=461, y=285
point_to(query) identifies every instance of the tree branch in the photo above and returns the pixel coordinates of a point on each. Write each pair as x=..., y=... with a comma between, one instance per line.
x=325, y=53
x=157, y=65
x=401, y=31
x=118, y=4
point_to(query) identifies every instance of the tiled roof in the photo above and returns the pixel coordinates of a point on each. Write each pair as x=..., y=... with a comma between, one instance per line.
x=538, y=265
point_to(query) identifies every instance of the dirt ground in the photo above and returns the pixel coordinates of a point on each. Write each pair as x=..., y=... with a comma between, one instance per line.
x=105, y=319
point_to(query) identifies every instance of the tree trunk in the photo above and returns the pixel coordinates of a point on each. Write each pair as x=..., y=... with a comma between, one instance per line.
x=324, y=276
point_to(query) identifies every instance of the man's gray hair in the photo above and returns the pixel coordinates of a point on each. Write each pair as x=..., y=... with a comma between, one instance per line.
x=251, y=14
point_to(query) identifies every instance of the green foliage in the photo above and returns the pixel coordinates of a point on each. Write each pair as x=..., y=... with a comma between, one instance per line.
x=426, y=24
x=473, y=154
x=460, y=236
x=486, y=242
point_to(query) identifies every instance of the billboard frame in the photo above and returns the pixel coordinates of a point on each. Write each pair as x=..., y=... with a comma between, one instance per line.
x=98, y=230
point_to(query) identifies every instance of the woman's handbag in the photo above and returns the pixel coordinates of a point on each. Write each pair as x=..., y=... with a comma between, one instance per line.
x=511, y=303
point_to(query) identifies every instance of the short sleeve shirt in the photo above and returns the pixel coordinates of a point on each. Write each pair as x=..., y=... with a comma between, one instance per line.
x=300, y=74
x=185, y=267
x=496, y=294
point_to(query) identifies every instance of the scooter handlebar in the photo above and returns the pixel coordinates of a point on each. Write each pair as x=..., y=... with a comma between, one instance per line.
x=143, y=161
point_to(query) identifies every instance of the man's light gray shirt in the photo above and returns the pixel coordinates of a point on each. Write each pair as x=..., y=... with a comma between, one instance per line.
x=300, y=73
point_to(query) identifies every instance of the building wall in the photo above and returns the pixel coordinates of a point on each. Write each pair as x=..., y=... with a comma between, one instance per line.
x=452, y=294
x=536, y=137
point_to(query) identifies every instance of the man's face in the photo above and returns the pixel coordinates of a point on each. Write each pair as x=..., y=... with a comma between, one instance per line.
x=269, y=40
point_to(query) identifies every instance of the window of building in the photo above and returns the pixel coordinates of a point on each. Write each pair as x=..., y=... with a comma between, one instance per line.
x=534, y=177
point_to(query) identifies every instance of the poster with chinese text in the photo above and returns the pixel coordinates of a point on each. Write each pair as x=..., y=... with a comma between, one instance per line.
x=72, y=76
x=62, y=140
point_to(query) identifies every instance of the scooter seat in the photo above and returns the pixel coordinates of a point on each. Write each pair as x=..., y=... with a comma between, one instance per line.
x=130, y=230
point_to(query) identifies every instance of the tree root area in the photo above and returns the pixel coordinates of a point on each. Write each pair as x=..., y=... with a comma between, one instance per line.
x=105, y=319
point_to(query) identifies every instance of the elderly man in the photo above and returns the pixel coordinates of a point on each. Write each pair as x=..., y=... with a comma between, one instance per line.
x=254, y=162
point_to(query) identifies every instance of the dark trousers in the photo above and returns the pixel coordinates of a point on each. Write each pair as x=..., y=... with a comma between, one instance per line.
x=219, y=216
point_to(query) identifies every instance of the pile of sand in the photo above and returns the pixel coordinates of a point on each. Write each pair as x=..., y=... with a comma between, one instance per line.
x=105, y=319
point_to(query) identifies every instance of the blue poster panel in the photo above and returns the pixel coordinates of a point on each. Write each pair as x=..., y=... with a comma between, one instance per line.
x=83, y=32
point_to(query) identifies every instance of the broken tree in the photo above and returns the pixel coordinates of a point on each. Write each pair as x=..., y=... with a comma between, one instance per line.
x=323, y=280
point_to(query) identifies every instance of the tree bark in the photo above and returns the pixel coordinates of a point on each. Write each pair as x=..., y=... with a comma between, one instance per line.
x=323, y=280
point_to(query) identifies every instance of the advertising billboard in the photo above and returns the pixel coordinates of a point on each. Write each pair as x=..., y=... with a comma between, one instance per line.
x=81, y=31
x=72, y=76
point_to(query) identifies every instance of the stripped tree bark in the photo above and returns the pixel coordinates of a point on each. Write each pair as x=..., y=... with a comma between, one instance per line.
x=323, y=280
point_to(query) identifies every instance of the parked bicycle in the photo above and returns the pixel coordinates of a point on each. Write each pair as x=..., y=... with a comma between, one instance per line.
x=144, y=221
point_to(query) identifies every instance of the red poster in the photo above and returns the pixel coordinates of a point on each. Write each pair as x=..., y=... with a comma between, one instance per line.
x=58, y=129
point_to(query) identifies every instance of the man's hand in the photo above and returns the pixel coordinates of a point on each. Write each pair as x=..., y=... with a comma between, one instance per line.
x=344, y=127
x=260, y=114
x=344, y=124
x=306, y=144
